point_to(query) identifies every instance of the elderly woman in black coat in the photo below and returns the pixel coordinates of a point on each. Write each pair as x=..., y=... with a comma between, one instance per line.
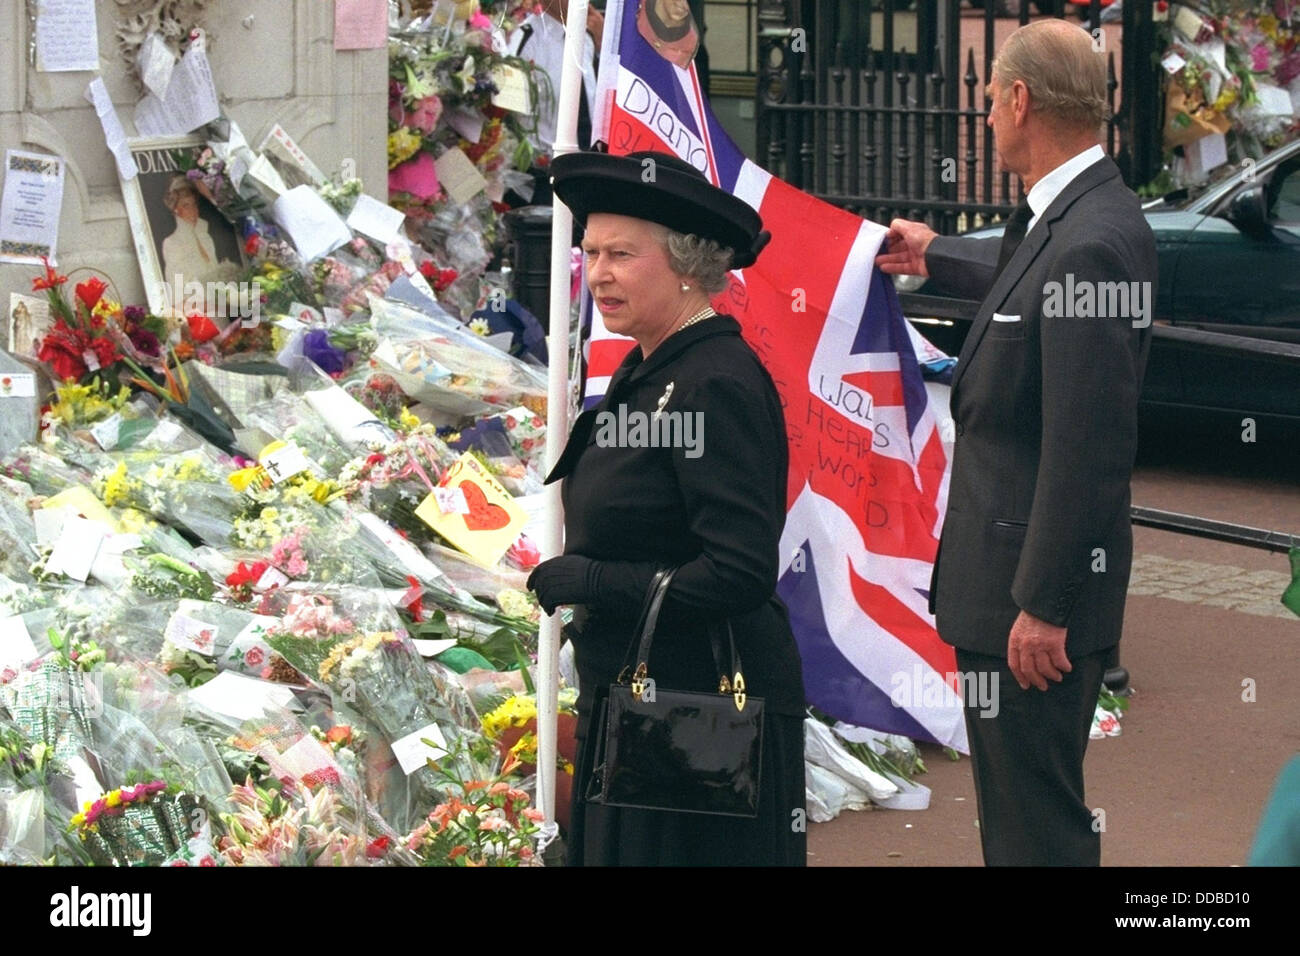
x=659, y=242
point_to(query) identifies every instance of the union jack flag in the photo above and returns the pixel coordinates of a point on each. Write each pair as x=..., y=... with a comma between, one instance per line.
x=868, y=474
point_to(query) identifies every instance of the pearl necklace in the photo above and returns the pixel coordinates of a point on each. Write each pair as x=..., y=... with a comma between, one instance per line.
x=704, y=313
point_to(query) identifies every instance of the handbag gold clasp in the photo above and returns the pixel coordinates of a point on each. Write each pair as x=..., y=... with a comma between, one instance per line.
x=638, y=681
x=738, y=686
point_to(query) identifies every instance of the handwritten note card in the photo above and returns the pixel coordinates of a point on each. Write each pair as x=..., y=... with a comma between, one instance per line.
x=67, y=38
x=360, y=24
x=459, y=176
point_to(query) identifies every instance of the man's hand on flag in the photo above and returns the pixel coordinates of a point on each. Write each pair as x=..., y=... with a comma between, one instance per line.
x=1036, y=651
x=905, y=247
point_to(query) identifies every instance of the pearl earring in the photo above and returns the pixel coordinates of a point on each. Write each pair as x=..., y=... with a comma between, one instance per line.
x=685, y=287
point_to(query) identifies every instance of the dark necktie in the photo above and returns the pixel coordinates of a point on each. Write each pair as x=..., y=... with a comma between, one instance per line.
x=1013, y=235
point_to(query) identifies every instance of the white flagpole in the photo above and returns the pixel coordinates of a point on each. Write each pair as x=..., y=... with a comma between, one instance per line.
x=557, y=409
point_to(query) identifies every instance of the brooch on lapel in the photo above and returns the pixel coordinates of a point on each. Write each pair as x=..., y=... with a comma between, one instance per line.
x=663, y=400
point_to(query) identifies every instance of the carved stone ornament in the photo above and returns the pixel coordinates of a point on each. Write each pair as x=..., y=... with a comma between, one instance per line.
x=172, y=19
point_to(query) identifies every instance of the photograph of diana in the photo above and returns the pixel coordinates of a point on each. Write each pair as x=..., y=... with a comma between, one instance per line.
x=189, y=249
x=668, y=27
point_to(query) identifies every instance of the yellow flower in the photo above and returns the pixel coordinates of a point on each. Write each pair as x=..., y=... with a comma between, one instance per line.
x=402, y=145
x=408, y=419
x=1226, y=99
x=515, y=712
x=241, y=479
x=1268, y=23
x=113, y=799
x=115, y=486
x=107, y=309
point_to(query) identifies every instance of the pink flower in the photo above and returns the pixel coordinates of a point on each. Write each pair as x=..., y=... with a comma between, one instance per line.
x=207, y=861
x=532, y=813
x=492, y=824
x=1259, y=58
x=479, y=22
x=254, y=656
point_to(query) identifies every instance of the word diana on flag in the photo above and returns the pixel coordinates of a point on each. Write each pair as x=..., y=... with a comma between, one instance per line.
x=868, y=474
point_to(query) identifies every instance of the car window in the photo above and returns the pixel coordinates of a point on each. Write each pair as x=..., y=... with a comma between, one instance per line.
x=1284, y=194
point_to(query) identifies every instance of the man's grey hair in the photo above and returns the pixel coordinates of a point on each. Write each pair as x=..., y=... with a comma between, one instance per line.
x=1066, y=77
x=704, y=260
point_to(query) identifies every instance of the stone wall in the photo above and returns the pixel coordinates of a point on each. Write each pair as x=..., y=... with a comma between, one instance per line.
x=273, y=62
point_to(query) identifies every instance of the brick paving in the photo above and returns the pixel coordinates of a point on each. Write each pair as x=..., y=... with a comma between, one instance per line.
x=1215, y=585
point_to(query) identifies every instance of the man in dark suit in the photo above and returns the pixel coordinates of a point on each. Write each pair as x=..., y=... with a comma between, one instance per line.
x=1033, y=564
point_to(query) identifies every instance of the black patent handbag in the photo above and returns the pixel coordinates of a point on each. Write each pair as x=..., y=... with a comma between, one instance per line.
x=684, y=751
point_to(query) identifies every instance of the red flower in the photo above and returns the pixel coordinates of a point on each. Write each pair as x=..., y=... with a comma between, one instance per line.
x=202, y=328
x=428, y=269
x=376, y=848
x=242, y=580
x=67, y=367
x=340, y=734
x=105, y=351
x=324, y=775
x=50, y=279
x=414, y=599
x=254, y=656
x=91, y=291
x=251, y=244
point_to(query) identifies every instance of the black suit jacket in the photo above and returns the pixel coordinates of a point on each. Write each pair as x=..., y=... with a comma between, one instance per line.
x=1045, y=407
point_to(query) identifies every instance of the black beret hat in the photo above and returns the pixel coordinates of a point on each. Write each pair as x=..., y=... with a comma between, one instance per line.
x=661, y=188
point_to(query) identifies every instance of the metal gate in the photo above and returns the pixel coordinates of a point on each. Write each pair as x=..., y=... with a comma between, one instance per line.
x=878, y=105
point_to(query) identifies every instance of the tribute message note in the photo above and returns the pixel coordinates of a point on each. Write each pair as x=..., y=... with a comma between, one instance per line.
x=29, y=210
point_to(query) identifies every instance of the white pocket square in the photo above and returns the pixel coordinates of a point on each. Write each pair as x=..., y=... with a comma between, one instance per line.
x=1005, y=318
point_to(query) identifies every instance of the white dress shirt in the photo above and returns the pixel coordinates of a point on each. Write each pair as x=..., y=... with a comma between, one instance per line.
x=1053, y=184
x=545, y=50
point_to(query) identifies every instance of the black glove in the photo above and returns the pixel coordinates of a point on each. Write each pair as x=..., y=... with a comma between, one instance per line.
x=567, y=579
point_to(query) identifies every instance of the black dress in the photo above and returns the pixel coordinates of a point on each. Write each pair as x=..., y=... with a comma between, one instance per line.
x=712, y=503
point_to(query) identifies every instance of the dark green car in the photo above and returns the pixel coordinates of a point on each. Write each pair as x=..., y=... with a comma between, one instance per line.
x=1227, y=310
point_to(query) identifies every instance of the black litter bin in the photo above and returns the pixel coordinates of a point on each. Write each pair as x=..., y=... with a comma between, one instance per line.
x=529, y=229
